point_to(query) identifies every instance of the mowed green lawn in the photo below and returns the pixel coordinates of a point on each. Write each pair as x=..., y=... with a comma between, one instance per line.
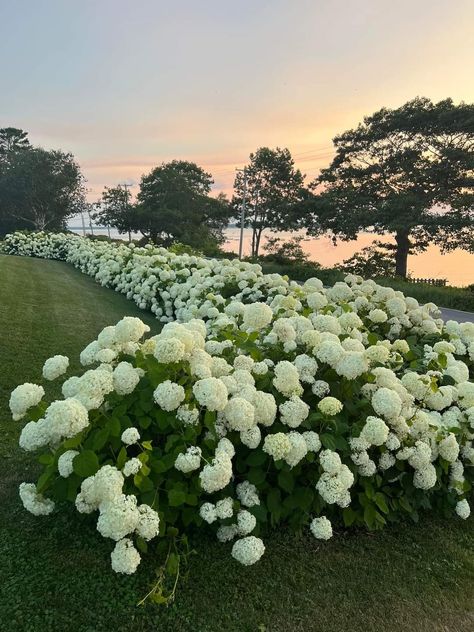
x=55, y=571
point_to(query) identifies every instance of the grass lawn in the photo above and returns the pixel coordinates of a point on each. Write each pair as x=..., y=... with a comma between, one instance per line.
x=55, y=571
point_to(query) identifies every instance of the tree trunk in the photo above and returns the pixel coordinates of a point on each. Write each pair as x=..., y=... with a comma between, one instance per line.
x=257, y=243
x=401, y=254
x=253, y=241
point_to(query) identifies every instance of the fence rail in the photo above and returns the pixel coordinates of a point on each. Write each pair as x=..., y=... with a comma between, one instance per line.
x=437, y=282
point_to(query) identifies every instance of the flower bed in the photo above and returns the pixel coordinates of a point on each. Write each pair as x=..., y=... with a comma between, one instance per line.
x=301, y=406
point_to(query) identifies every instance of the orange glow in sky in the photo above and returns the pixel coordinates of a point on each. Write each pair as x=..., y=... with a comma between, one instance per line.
x=125, y=87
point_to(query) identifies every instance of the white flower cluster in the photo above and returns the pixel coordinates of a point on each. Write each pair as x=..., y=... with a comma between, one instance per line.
x=55, y=366
x=265, y=369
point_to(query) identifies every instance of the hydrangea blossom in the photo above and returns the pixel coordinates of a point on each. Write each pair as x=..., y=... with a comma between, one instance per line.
x=55, y=366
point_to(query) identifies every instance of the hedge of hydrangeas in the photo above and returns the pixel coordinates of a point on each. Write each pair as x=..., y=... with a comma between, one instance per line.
x=260, y=403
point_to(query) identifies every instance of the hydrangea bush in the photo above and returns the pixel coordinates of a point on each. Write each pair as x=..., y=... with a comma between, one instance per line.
x=275, y=404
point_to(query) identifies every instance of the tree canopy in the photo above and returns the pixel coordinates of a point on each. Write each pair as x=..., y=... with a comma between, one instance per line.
x=174, y=205
x=39, y=189
x=273, y=189
x=408, y=172
x=115, y=209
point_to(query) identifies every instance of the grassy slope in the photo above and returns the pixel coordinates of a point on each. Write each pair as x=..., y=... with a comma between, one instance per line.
x=55, y=573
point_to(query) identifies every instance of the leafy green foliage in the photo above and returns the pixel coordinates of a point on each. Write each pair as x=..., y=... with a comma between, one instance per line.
x=272, y=188
x=407, y=172
x=39, y=189
x=174, y=205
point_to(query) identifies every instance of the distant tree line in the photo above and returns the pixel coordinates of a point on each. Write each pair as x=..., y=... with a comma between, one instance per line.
x=406, y=172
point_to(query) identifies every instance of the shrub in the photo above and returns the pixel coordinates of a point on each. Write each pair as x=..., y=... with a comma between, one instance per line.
x=376, y=260
x=310, y=408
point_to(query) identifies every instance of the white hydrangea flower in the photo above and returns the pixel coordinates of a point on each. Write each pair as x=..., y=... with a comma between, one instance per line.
x=88, y=355
x=293, y=412
x=169, y=350
x=463, y=509
x=104, y=486
x=188, y=416
x=65, y=467
x=55, y=366
x=216, y=475
x=132, y=467
x=65, y=419
x=378, y=316
x=387, y=403
x=24, y=397
x=321, y=528
x=465, y=392
x=320, y=388
x=265, y=408
x=125, y=378
x=125, y=557
x=211, y=392
x=188, y=461
x=386, y=461
x=130, y=329
x=239, y=414
x=225, y=533
x=375, y=431
x=207, y=511
x=246, y=522
x=330, y=461
x=425, y=477
x=330, y=406
x=34, y=502
x=225, y=508
x=298, y=450
x=247, y=494
x=118, y=517
x=130, y=436
x=449, y=448
x=169, y=395
x=256, y=316
x=312, y=440
x=277, y=445
x=248, y=550
x=286, y=379
x=251, y=437
x=148, y=525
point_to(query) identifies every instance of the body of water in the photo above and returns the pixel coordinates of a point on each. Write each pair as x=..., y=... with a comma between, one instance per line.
x=457, y=266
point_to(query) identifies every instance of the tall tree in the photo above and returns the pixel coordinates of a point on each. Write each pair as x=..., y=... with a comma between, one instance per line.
x=40, y=189
x=408, y=172
x=174, y=204
x=115, y=208
x=272, y=188
x=12, y=139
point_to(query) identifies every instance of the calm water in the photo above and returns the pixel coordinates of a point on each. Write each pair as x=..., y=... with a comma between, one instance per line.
x=457, y=266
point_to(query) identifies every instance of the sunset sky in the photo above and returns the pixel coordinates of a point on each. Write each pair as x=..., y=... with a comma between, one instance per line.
x=125, y=86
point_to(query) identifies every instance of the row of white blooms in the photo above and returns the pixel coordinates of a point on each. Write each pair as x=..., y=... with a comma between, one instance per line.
x=306, y=330
x=411, y=421
x=181, y=287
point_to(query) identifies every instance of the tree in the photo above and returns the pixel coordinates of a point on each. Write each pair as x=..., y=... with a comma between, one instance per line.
x=372, y=261
x=40, y=189
x=408, y=172
x=12, y=140
x=273, y=188
x=174, y=205
x=289, y=251
x=116, y=209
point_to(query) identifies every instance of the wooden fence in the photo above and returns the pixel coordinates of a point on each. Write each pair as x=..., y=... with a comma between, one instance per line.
x=437, y=282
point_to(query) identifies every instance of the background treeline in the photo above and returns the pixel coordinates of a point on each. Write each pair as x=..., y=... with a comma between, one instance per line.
x=406, y=172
